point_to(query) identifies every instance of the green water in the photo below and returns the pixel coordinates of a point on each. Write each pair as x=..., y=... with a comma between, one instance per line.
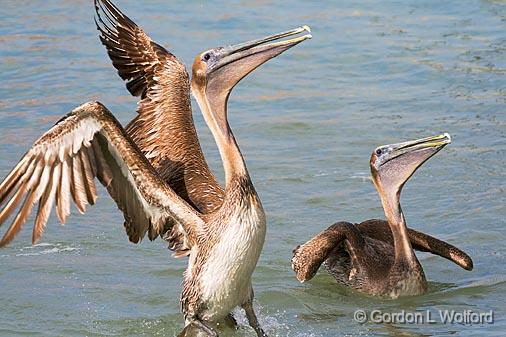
x=374, y=73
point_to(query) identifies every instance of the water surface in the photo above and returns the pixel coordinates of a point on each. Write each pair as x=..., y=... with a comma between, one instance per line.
x=374, y=73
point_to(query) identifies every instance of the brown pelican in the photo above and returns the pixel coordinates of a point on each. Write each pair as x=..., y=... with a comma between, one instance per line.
x=376, y=256
x=89, y=142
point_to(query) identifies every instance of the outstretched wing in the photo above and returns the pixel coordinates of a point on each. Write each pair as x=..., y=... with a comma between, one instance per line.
x=308, y=257
x=164, y=125
x=163, y=129
x=380, y=230
x=141, y=62
x=87, y=143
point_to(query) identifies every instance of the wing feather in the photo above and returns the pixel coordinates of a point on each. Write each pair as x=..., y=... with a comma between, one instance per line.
x=308, y=257
x=45, y=203
x=63, y=199
x=22, y=187
x=8, y=186
x=88, y=178
x=380, y=230
x=104, y=173
x=164, y=113
x=77, y=189
x=35, y=186
x=138, y=59
x=89, y=142
x=92, y=160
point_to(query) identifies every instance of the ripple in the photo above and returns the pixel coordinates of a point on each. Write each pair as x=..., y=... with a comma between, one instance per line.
x=47, y=248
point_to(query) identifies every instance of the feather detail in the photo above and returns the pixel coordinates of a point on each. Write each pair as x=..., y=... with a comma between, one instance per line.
x=92, y=159
x=18, y=195
x=38, y=176
x=64, y=161
x=77, y=188
x=105, y=175
x=8, y=186
x=63, y=191
x=45, y=204
x=91, y=190
x=165, y=115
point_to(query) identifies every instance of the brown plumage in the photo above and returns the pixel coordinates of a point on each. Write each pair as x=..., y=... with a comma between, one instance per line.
x=224, y=245
x=164, y=129
x=67, y=158
x=323, y=247
x=380, y=230
x=376, y=256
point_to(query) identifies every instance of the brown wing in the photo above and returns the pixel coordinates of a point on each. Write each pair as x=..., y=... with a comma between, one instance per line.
x=307, y=258
x=380, y=230
x=89, y=143
x=164, y=128
x=139, y=61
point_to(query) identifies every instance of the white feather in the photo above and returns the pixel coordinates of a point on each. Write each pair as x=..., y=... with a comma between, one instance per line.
x=226, y=278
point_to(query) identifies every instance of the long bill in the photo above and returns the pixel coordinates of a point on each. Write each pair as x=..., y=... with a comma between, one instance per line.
x=261, y=46
x=392, y=169
x=435, y=143
x=231, y=64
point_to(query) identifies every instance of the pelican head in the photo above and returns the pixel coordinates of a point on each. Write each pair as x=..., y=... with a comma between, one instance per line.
x=223, y=67
x=216, y=71
x=392, y=165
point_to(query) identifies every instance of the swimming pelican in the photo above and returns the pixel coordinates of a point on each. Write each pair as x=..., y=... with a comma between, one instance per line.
x=376, y=256
x=89, y=142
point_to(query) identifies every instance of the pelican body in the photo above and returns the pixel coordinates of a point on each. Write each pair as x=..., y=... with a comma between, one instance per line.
x=376, y=256
x=224, y=244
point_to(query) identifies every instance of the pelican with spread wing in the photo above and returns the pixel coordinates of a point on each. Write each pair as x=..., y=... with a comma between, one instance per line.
x=223, y=244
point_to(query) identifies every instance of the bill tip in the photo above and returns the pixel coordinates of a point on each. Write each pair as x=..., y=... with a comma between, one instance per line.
x=447, y=136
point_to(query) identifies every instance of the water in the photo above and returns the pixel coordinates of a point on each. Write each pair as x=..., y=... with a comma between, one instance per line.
x=374, y=73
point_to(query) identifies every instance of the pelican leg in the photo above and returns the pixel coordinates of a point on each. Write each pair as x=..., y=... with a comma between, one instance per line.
x=197, y=323
x=252, y=318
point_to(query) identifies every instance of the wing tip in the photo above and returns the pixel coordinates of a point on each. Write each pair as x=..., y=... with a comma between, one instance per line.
x=461, y=258
x=8, y=236
x=303, y=270
x=36, y=239
x=108, y=8
x=4, y=243
x=467, y=263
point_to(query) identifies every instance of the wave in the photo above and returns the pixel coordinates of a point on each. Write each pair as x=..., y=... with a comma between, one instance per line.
x=46, y=248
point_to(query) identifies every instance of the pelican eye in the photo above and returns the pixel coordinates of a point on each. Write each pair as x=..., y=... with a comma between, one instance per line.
x=207, y=56
x=378, y=152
